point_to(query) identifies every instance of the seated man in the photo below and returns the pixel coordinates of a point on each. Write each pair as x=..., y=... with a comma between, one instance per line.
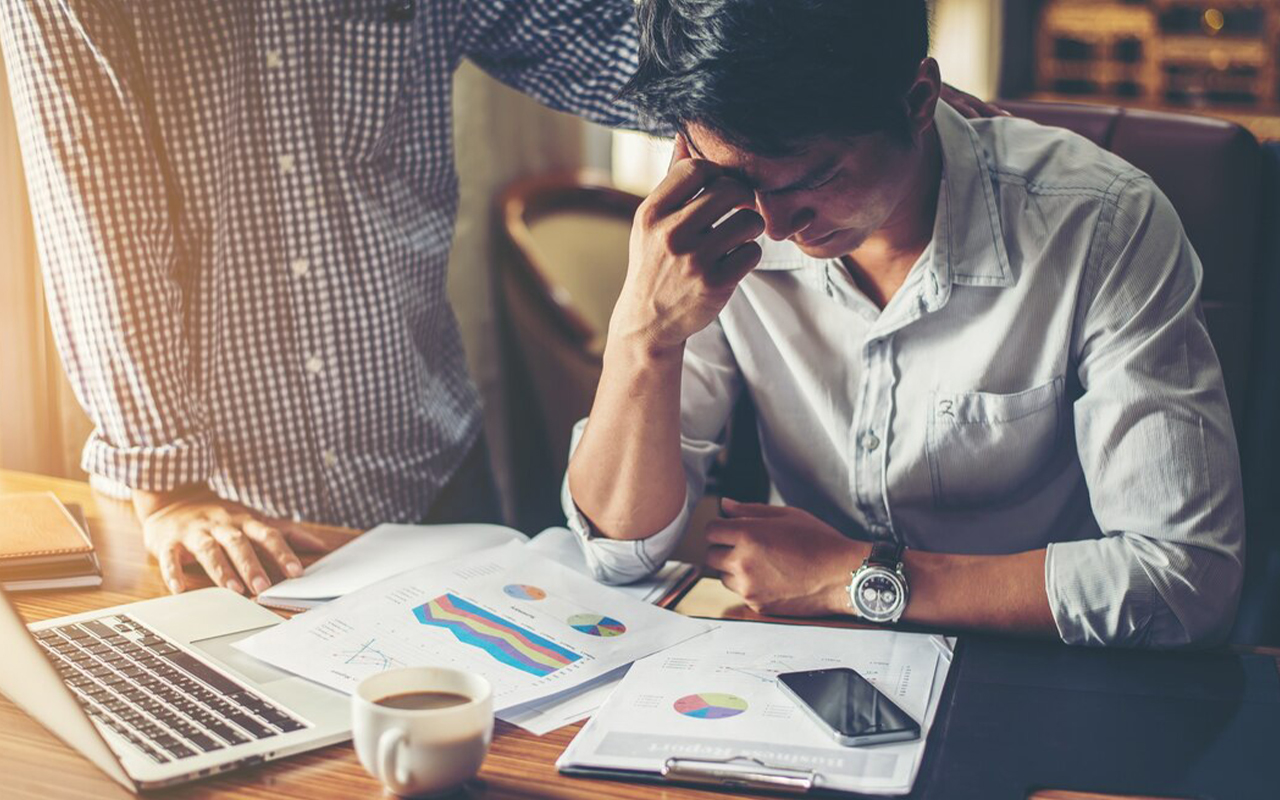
x=975, y=347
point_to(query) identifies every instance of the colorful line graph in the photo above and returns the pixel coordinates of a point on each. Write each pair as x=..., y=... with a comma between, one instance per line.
x=504, y=640
x=597, y=625
x=710, y=705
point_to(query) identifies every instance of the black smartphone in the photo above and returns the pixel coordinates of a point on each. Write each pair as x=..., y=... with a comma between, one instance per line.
x=846, y=704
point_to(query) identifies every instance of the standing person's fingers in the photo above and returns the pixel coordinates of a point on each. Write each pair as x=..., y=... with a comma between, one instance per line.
x=208, y=553
x=272, y=542
x=300, y=539
x=239, y=548
x=169, y=556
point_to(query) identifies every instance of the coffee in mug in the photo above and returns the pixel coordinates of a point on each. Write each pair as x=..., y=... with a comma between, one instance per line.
x=423, y=701
x=422, y=730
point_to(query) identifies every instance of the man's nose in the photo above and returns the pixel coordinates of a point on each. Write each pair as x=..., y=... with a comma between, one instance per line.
x=782, y=219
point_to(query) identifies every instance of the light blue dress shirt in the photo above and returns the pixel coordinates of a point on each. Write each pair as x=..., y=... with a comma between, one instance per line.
x=1043, y=377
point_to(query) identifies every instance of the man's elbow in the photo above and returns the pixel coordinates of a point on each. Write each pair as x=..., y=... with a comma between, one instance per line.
x=1201, y=609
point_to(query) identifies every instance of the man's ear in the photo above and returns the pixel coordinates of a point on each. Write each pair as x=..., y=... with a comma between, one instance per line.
x=922, y=98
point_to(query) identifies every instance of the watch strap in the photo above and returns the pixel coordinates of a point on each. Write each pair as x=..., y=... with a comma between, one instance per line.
x=885, y=553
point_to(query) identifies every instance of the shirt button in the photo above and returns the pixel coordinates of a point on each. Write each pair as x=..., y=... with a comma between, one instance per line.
x=870, y=441
x=300, y=266
x=275, y=59
x=314, y=365
x=330, y=458
x=287, y=163
x=401, y=10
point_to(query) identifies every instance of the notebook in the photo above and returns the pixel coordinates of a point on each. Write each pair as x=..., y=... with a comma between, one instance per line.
x=44, y=544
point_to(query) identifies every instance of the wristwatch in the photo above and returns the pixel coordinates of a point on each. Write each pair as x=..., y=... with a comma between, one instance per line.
x=878, y=591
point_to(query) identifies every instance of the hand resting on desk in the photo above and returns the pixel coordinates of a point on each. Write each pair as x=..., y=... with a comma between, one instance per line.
x=225, y=538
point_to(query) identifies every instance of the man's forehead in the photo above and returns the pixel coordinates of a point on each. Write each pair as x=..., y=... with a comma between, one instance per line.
x=760, y=172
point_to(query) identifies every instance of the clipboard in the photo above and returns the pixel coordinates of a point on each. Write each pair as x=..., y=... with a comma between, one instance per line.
x=734, y=774
x=648, y=730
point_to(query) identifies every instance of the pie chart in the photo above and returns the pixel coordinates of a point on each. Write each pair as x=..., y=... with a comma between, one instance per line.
x=710, y=705
x=523, y=591
x=597, y=625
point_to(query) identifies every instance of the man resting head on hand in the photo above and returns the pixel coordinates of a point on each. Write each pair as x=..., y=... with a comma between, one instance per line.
x=986, y=396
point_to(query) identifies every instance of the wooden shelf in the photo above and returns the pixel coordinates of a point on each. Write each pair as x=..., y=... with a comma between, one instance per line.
x=1104, y=51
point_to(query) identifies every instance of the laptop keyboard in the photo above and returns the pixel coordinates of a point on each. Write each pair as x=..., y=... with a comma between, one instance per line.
x=161, y=699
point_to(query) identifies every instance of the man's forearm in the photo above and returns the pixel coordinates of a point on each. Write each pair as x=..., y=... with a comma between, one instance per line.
x=626, y=474
x=998, y=593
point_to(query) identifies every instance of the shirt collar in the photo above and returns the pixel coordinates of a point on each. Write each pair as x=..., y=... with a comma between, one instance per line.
x=968, y=238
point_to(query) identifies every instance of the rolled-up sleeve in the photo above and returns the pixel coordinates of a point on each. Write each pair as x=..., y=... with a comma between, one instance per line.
x=1155, y=440
x=105, y=205
x=710, y=384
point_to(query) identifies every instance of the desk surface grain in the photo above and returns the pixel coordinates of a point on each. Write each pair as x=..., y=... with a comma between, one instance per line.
x=35, y=764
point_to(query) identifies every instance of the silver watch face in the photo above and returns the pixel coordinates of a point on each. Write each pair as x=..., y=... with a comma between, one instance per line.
x=877, y=594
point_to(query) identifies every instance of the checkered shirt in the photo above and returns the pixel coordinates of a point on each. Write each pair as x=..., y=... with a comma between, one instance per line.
x=244, y=212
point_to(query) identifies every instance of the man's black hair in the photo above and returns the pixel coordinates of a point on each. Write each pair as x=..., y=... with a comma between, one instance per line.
x=766, y=75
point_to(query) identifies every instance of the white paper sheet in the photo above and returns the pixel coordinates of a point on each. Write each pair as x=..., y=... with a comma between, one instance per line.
x=387, y=550
x=380, y=553
x=714, y=697
x=534, y=628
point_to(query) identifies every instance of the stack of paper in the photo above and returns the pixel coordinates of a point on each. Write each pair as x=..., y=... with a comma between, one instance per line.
x=714, y=700
x=531, y=626
x=388, y=550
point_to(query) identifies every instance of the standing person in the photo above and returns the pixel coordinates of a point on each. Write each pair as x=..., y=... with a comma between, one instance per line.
x=244, y=214
x=985, y=391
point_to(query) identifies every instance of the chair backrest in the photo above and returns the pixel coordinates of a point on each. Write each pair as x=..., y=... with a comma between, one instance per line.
x=1211, y=171
x=567, y=240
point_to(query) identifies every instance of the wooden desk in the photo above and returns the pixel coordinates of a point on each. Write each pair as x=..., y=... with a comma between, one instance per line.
x=35, y=764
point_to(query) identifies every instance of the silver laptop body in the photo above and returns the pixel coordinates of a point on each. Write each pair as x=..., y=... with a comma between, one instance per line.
x=153, y=693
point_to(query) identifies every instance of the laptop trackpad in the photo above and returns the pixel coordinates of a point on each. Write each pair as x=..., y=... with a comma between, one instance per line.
x=219, y=649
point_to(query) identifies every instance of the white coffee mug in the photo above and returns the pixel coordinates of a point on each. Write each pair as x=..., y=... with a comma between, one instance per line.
x=417, y=752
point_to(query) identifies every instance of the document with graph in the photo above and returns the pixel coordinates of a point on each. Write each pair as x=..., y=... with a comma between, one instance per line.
x=711, y=704
x=530, y=625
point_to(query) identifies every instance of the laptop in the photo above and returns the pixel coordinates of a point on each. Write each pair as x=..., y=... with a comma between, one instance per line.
x=154, y=694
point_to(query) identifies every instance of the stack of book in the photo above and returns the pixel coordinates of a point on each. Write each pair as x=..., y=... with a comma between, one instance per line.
x=44, y=545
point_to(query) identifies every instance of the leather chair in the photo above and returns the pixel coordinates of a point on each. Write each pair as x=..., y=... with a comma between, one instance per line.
x=563, y=262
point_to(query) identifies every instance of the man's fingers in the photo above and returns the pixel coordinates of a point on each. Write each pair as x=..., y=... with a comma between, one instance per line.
x=722, y=196
x=717, y=557
x=735, y=510
x=969, y=106
x=208, y=554
x=686, y=178
x=171, y=566
x=744, y=226
x=273, y=542
x=737, y=264
x=679, y=150
x=721, y=533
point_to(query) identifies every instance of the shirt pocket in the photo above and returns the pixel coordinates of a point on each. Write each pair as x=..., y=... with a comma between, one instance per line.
x=983, y=448
x=370, y=71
